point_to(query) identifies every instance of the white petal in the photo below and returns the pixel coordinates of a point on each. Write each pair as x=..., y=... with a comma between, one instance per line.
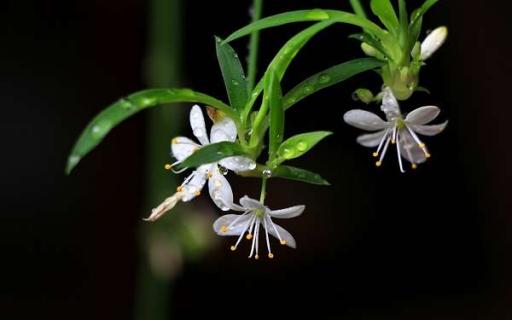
x=195, y=183
x=236, y=229
x=220, y=190
x=197, y=125
x=390, y=105
x=183, y=147
x=287, y=213
x=430, y=130
x=371, y=140
x=409, y=149
x=422, y=115
x=433, y=42
x=250, y=203
x=364, y=120
x=238, y=163
x=223, y=130
x=285, y=235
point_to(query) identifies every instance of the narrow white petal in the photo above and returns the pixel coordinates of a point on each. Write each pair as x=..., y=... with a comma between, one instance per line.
x=430, y=130
x=220, y=225
x=433, y=42
x=198, y=126
x=422, y=115
x=409, y=149
x=364, y=120
x=238, y=163
x=193, y=185
x=287, y=213
x=371, y=140
x=223, y=130
x=390, y=105
x=220, y=190
x=183, y=147
x=283, y=235
x=250, y=203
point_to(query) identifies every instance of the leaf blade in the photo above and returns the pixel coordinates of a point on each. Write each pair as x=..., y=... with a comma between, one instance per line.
x=298, y=145
x=288, y=172
x=384, y=10
x=124, y=108
x=233, y=74
x=274, y=96
x=212, y=153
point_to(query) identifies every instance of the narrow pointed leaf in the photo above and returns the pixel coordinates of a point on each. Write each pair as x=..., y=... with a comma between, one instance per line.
x=298, y=145
x=274, y=97
x=369, y=39
x=308, y=15
x=233, y=74
x=212, y=153
x=387, y=15
x=329, y=77
x=110, y=117
x=288, y=172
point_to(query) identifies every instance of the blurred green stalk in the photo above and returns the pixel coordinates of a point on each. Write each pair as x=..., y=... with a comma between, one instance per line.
x=162, y=69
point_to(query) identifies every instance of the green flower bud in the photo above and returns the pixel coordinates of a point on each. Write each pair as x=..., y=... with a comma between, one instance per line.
x=363, y=95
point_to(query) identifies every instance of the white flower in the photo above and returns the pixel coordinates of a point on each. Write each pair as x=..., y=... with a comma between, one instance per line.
x=182, y=148
x=256, y=216
x=432, y=42
x=396, y=129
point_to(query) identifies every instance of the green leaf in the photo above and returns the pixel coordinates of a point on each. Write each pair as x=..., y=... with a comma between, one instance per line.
x=370, y=40
x=308, y=15
x=287, y=172
x=274, y=97
x=212, y=153
x=233, y=74
x=298, y=145
x=417, y=19
x=329, y=77
x=285, y=56
x=387, y=15
x=110, y=117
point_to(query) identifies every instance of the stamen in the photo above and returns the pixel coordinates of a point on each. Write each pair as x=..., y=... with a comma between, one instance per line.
x=270, y=255
x=414, y=166
x=283, y=242
x=179, y=189
x=233, y=248
x=257, y=236
x=224, y=229
x=418, y=141
x=381, y=143
x=197, y=193
x=237, y=219
x=393, y=140
x=249, y=236
x=379, y=163
x=398, y=152
x=245, y=229
x=275, y=229
x=253, y=242
x=209, y=174
x=168, y=166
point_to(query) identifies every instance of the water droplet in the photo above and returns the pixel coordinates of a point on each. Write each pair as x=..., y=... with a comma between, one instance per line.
x=187, y=92
x=317, y=14
x=355, y=96
x=100, y=129
x=324, y=78
x=267, y=173
x=222, y=170
x=302, y=146
x=290, y=101
x=125, y=104
x=235, y=83
x=287, y=153
x=308, y=89
x=73, y=160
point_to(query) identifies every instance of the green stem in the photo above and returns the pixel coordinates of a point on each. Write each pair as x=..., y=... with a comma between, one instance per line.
x=358, y=8
x=263, y=193
x=257, y=7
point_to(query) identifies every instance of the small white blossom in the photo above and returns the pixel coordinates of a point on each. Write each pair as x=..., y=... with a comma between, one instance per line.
x=397, y=130
x=256, y=216
x=219, y=188
x=433, y=42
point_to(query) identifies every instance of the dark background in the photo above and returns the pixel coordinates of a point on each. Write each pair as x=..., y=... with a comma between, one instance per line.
x=431, y=244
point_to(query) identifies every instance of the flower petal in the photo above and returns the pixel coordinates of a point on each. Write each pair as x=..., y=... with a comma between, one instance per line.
x=364, y=120
x=236, y=229
x=193, y=185
x=220, y=190
x=390, y=105
x=285, y=235
x=223, y=130
x=250, y=203
x=183, y=147
x=430, y=130
x=433, y=42
x=409, y=149
x=238, y=163
x=197, y=125
x=287, y=213
x=371, y=140
x=422, y=115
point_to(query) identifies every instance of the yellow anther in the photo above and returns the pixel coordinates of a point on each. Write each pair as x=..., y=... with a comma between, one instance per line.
x=248, y=236
x=393, y=141
x=233, y=248
x=210, y=175
x=224, y=229
x=421, y=145
x=283, y=242
x=256, y=257
x=168, y=166
x=175, y=141
x=271, y=256
x=375, y=154
x=428, y=155
x=414, y=166
x=197, y=193
x=179, y=189
x=378, y=163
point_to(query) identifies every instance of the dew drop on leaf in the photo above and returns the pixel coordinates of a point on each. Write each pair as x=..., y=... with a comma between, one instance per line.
x=100, y=129
x=302, y=146
x=324, y=78
x=287, y=153
x=73, y=160
x=308, y=89
x=317, y=14
x=235, y=83
x=267, y=173
x=126, y=105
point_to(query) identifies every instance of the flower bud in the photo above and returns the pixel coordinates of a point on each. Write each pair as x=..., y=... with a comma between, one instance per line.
x=363, y=95
x=433, y=42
